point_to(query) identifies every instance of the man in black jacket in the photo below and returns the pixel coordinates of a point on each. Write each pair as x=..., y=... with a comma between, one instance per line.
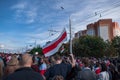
x=60, y=68
x=25, y=72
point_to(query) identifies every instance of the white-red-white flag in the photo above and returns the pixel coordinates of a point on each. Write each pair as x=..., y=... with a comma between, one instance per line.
x=62, y=49
x=54, y=46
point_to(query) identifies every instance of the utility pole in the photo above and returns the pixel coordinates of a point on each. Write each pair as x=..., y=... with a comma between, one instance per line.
x=70, y=36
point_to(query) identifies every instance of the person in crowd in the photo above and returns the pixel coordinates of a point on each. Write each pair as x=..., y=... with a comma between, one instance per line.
x=11, y=66
x=60, y=68
x=86, y=73
x=35, y=64
x=97, y=68
x=74, y=70
x=58, y=77
x=118, y=75
x=43, y=66
x=1, y=70
x=25, y=72
x=2, y=61
x=113, y=71
x=51, y=61
x=104, y=75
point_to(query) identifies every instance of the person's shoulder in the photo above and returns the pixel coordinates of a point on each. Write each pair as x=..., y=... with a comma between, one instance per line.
x=80, y=72
x=22, y=75
x=37, y=75
x=10, y=77
x=66, y=64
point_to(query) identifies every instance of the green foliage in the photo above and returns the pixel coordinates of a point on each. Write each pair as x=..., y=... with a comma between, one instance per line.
x=36, y=49
x=116, y=44
x=109, y=50
x=89, y=46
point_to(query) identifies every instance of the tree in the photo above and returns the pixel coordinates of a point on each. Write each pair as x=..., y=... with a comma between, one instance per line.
x=89, y=46
x=109, y=50
x=36, y=49
x=116, y=44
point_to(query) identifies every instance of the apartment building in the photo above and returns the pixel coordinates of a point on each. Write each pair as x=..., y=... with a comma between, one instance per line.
x=104, y=28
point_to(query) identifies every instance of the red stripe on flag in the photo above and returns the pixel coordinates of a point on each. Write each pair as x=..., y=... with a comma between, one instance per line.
x=54, y=45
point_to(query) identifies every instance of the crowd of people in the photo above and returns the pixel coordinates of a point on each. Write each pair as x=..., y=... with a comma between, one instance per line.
x=56, y=67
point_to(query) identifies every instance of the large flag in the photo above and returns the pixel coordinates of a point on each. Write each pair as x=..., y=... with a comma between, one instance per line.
x=54, y=45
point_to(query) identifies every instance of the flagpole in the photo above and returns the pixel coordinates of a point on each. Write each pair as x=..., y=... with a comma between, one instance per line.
x=70, y=36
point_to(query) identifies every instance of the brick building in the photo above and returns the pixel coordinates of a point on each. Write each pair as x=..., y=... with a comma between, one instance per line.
x=104, y=28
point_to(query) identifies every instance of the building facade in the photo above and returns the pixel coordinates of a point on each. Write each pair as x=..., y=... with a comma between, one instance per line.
x=103, y=28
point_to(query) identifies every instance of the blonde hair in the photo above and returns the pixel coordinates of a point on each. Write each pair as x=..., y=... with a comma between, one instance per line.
x=13, y=61
x=58, y=77
x=12, y=65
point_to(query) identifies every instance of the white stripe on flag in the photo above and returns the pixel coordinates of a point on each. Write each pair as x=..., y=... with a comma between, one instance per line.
x=54, y=46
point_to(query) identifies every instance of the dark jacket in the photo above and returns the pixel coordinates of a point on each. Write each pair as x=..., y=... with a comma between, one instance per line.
x=62, y=69
x=86, y=74
x=25, y=73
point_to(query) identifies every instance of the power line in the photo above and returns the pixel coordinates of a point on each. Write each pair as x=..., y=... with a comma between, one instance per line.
x=99, y=13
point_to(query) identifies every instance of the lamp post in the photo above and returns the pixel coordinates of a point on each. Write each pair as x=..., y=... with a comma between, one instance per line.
x=70, y=36
x=70, y=31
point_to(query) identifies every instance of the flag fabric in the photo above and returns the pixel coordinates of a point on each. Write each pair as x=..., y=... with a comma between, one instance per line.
x=62, y=49
x=54, y=45
x=43, y=68
x=97, y=70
